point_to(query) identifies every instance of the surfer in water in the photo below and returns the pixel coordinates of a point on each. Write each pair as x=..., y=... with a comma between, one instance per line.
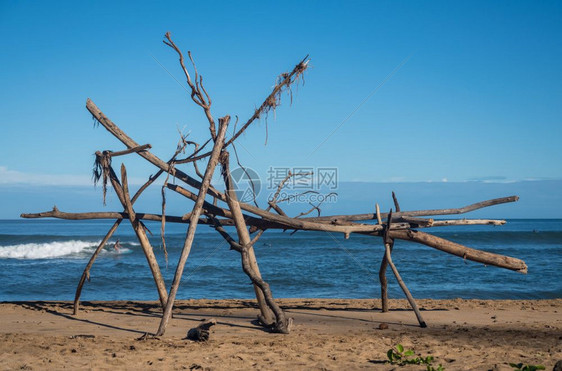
x=117, y=245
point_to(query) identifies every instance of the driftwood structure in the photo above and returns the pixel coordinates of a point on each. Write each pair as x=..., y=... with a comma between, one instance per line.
x=221, y=209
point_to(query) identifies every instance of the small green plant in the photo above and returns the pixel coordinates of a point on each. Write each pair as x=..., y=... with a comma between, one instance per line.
x=523, y=367
x=399, y=356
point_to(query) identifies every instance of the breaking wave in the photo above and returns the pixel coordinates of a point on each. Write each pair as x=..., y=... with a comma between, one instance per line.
x=49, y=250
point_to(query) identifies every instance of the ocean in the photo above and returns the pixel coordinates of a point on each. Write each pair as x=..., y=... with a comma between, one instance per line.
x=43, y=260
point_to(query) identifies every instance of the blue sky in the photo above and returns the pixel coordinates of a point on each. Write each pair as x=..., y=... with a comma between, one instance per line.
x=478, y=98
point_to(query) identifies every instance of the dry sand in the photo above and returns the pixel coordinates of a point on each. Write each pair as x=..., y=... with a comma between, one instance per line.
x=328, y=334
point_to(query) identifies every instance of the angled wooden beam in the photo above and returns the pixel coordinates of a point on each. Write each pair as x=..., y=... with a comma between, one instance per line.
x=193, y=221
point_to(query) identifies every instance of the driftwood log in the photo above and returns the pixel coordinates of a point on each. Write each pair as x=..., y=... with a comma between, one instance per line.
x=193, y=221
x=227, y=210
x=201, y=332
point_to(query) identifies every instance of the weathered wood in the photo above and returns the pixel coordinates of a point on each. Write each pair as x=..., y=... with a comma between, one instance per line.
x=384, y=283
x=415, y=222
x=382, y=270
x=286, y=82
x=201, y=332
x=433, y=212
x=149, y=156
x=243, y=215
x=219, y=211
x=249, y=262
x=460, y=250
x=198, y=93
x=250, y=220
x=277, y=208
x=327, y=223
x=388, y=251
x=195, y=213
x=86, y=272
x=290, y=222
x=396, y=204
x=108, y=235
x=217, y=225
x=303, y=224
x=270, y=220
x=282, y=324
x=114, y=215
x=131, y=150
x=431, y=241
x=378, y=214
x=447, y=223
x=388, y=244
x=141, y=234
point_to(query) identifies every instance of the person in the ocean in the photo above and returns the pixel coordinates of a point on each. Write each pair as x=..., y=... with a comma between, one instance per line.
x=117, y=245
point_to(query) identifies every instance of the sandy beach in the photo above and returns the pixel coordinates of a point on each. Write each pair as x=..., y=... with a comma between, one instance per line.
x=328, y=334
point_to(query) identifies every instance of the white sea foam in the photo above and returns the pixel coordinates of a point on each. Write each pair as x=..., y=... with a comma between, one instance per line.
x=46, y=250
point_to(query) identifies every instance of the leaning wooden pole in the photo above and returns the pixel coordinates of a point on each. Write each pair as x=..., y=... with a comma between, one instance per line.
x=139, y=229
x=388, y=244
x=249, y=262
x=86, y=272
x=123, y=196
x=281, y=325
x=193, y=221
x=388, y=249
x=382, y=270
x=384, y=262
x=464, y=252
x=112, y=230
x=384, y=284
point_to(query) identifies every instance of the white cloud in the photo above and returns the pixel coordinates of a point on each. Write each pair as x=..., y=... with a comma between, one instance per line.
x=14, y=177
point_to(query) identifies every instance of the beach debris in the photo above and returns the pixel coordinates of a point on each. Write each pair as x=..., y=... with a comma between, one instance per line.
x=147, y=336
x=201, y=332
x=221, y=209
x=82, y=336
